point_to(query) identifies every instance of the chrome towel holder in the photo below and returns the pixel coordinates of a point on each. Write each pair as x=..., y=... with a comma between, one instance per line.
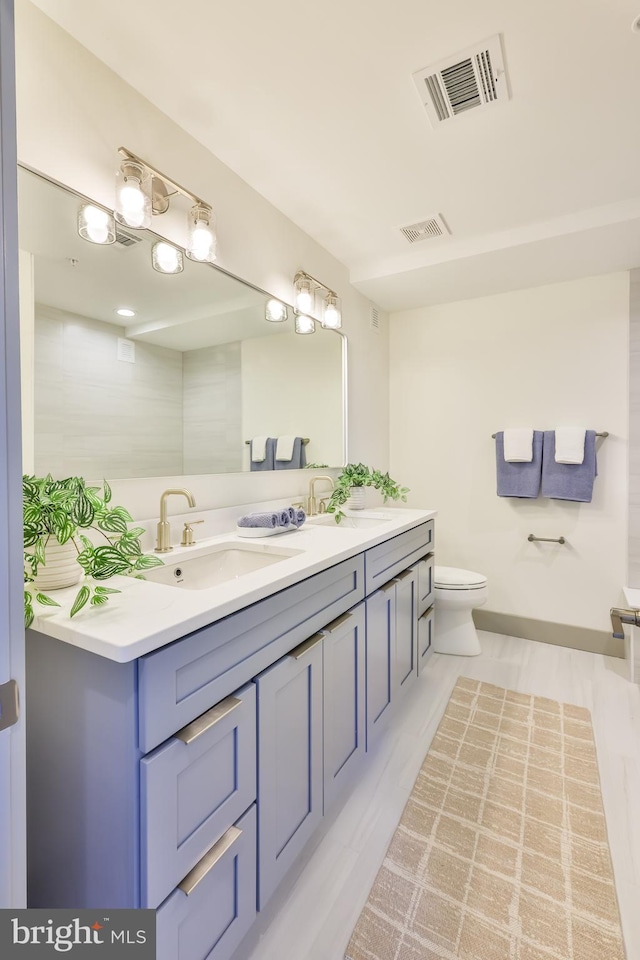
x=605, y=433
x=532, y=538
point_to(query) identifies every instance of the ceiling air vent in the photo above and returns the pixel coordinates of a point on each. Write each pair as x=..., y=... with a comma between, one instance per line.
x=425, y=230
x=471, y=79
x=126, y=239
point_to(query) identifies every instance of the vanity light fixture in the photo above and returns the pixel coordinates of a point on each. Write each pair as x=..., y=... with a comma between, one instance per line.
x=95, y=224
x=275, y=311
x=142, y=191
x=305, y=287
x=165, y=258
x=304, y=324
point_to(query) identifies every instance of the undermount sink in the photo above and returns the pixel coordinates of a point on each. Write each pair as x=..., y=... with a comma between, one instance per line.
x=221, y=563
x=348, y=522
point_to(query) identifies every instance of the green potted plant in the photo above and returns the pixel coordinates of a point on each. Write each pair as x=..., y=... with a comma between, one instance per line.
x=356, y=475
x=57, y=554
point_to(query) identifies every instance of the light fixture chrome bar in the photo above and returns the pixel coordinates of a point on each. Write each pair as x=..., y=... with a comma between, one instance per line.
x=303, y=275
x=128, y=155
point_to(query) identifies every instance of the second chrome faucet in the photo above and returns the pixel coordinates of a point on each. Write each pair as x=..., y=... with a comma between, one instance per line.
x=163, y=540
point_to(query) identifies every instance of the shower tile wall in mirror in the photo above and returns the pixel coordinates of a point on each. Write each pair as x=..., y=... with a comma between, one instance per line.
x=176, y=389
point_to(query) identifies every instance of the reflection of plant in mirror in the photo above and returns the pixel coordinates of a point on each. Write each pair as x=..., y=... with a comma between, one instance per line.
x=317, y=466
x=59, y=509
x=359, y=475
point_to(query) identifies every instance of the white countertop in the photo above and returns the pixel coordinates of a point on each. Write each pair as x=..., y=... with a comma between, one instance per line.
x=145, y=615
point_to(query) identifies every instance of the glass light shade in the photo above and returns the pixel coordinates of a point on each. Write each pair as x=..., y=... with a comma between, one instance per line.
x=133, y=196
x=304, y=295
x=201, y=241
x=165, y=258
x=331, y=312
x=275, y=311
x=304, y=324
x=96, y=224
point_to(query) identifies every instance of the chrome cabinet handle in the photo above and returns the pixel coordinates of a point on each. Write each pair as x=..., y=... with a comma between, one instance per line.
x=403, y=576
x=208, y=862
x=305, y=647
x=209, y=719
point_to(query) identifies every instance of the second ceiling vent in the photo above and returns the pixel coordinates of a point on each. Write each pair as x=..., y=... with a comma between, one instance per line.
x=471, y=79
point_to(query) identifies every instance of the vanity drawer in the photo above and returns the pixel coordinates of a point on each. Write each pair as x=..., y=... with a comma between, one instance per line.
x=207, y=921
x=193, y=788
x=425, y=638
x=425, y=570
x=393, y=556
x=184, y=679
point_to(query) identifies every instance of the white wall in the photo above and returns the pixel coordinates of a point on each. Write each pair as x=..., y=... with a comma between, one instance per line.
x=284, y=393
x=74, y=113
x=212, y=409
x=545, y=357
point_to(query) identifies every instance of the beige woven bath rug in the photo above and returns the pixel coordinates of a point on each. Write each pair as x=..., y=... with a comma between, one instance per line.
x=502, y=851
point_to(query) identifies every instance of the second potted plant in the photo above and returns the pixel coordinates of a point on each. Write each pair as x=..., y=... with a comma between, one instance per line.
x=357, y=476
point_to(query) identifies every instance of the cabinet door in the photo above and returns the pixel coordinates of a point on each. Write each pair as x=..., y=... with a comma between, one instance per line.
x=380, y=644
x=425, y=636
x=207, y=916
x=406, y=647
x=426, y=596
x=289, y=760
x=344, y=700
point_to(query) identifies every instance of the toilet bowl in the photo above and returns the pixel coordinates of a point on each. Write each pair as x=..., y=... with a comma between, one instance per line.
x=457, y=593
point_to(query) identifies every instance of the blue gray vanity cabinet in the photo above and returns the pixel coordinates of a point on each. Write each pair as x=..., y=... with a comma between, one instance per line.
x=425, y=638
x=380, y=642
x=406, y=647
x=289, y=760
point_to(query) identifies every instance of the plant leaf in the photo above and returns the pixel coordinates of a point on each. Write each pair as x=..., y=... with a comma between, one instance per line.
x=46, y=601
x=107, y=491
x=85, y=559
x=80, y=600
x=112, y=521
x=146, y=562
x=102, y=590
x=98, y=600
x=28, y=610
x=107, y=562
x=82, y=511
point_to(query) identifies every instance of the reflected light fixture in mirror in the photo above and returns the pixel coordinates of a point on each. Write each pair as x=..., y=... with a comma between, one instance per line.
x=95, y=224
x=165, y=258
x=133, y=195
x=275, y=311
x=304, y=324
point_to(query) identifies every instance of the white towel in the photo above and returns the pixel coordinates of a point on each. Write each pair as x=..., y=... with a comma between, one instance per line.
x=570, y=445
x=259, y=449
x=518, y=445
x=284, y=448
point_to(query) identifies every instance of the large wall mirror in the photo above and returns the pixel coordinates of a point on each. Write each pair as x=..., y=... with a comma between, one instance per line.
x=177, y=389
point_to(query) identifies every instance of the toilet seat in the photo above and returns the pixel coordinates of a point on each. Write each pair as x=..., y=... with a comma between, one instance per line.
x=456, y=578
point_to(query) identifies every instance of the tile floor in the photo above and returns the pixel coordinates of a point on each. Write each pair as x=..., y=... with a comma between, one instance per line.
x=313, y=913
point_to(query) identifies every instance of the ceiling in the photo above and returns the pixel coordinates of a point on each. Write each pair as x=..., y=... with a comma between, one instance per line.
x=315, y=107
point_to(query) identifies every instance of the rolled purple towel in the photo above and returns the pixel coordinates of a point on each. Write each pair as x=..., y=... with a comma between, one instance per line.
x=300, y=517
x=292, y=514
x=283, y=518
x=259, y=520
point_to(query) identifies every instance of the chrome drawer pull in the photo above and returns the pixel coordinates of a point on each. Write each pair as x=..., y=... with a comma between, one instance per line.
x=403, y=576
x=305, y=647
x=209, y=860
x=197, y=727
x=336, y=624
x=427, y=613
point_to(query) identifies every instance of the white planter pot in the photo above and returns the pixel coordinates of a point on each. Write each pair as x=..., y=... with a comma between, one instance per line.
x=61, y=568
x=356, y=499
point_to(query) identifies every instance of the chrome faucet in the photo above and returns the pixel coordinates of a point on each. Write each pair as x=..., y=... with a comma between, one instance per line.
x=312, y=503
x=163, y=541
x=619, y=616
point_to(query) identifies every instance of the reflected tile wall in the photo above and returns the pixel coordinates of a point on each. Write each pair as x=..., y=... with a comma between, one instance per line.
x=212, y=396
x=634, y=430
x=97, y=416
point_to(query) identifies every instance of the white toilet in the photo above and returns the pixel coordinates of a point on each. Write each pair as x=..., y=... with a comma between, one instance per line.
x=457, y=593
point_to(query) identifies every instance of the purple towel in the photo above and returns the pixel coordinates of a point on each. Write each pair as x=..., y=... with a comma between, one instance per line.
x=519, y=479
x=258, y=520
x=569, y=481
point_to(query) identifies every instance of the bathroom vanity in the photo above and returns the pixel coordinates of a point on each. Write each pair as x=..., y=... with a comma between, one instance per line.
x=185, y=743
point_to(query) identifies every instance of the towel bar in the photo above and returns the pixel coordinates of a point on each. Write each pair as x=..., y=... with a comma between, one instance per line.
x=605, y=433
x=531, y=538
x=305, y=441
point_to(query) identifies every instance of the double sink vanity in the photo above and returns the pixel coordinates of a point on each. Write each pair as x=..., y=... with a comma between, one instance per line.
x=185, y=742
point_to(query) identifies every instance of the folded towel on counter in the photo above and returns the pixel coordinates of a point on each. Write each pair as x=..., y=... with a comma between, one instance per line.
x=283, y=518
x=519, y=479
x=262, y=455
x=299, y=516
x=298, y=458
x=570, y=445
x=266, y=519
x=569, y=481
x=518, y=445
